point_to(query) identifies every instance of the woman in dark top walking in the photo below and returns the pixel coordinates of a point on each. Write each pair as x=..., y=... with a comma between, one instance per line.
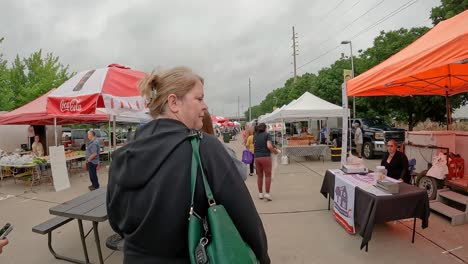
x=262, y=149
x=396, y=163
x=148, y=195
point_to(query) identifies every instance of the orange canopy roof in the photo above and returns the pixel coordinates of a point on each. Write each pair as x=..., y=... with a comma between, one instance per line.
x=435, y=64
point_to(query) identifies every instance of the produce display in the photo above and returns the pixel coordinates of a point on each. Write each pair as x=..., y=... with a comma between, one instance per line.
x=16, y=159
x=38, y=160
x=73, y=153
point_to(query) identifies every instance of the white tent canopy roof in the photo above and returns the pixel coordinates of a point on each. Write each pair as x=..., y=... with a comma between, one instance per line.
x=306, y=106
x=266, y=118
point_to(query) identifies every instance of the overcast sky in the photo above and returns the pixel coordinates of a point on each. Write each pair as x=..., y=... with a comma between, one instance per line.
x=224, y=41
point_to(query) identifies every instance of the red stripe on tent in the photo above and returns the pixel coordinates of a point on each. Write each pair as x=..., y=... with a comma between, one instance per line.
x=112, y=103
x=122, y=82
x=129, y=106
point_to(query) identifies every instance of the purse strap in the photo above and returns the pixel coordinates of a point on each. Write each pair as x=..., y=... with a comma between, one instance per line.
x=196, y=162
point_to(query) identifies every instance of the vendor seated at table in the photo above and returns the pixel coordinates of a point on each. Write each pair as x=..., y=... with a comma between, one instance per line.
x=38, y=151
x=396, y=163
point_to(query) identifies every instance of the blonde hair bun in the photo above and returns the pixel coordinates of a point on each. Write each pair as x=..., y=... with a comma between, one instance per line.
x=156, y=87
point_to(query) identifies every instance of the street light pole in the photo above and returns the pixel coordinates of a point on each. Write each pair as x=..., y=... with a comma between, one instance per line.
x=250, y=104
x=352, y=71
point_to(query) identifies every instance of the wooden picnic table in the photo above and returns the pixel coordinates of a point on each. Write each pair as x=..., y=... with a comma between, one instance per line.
x=88, y=207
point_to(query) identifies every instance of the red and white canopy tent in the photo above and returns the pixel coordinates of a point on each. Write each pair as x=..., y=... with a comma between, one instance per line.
x=114, y=89
x=219, y=119
x=35, y=113
x=228, y=124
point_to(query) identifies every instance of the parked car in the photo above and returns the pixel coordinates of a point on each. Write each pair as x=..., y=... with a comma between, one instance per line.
x=79, y=138
x=376, y=133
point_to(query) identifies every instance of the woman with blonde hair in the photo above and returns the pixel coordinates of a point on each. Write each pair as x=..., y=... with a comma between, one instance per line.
x=149, y=195
x=250, y=146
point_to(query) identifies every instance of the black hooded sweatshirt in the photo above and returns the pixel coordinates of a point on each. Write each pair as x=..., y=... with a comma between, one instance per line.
x=148, y=195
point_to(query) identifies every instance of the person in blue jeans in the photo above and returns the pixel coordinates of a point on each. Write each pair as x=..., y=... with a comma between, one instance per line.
x=92, y=160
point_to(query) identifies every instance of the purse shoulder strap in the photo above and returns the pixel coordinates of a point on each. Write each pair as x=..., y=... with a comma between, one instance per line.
x=196, y=162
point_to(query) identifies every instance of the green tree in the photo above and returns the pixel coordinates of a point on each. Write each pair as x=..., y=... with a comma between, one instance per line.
x=5, y=91
x=31, y=77
x=448, y=9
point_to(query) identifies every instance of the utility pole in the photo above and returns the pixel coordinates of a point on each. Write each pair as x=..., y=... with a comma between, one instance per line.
x=250, y=104
x=295, y=52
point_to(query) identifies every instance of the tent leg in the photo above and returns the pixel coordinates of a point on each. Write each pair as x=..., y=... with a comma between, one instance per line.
x=109, y=152
x=114, y=143
x=447, y=100
x=55, y=131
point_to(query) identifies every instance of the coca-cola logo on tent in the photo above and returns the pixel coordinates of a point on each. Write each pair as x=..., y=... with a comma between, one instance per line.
x=73, y=105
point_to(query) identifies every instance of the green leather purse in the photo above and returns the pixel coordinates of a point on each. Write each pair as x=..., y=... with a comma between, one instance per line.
x=214, y=239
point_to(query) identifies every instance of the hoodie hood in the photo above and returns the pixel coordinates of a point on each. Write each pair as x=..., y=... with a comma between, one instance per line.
x=136, y=163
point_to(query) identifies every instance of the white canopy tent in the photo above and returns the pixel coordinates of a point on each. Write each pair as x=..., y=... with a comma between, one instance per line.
x=308, y=106
x=266, y=118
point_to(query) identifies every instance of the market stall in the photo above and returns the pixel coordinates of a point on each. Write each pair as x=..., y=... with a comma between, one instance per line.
x=306, y=108
x=434, y=64
x=114, y=93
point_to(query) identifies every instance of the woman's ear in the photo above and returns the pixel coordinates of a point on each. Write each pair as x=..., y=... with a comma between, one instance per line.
x=173, y=103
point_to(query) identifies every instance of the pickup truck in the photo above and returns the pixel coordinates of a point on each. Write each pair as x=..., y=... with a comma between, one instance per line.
x=376, y=133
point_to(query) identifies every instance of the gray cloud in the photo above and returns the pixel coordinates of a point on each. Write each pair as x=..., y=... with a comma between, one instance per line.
x=224, y=41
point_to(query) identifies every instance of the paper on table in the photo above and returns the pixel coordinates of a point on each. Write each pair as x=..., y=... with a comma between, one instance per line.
x=391, y=179
x=374, y=190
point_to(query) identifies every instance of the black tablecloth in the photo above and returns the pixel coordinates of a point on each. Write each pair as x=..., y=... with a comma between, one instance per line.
x=370, y=209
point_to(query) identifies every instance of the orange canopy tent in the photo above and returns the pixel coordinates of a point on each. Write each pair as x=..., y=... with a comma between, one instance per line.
x=435, y=64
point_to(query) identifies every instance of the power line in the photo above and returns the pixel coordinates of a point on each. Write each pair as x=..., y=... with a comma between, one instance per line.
x=388, y=16
x=391, y=14
x=349, y=24
x=365, y=13
x=324, y=18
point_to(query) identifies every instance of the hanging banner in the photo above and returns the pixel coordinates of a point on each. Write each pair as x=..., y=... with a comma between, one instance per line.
x=343, y=203
x=347, y=75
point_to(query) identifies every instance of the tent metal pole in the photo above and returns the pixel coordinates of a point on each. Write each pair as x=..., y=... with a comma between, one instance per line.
x=447, y=100
x=114, y=143
x=110, y=139
x=55, y=131
x=283, y=130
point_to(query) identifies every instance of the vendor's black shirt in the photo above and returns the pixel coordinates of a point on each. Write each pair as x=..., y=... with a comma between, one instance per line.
x=398, y=166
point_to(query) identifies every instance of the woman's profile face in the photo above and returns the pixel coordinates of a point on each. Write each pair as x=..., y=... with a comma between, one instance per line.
x=192, y=107
x=391, y=147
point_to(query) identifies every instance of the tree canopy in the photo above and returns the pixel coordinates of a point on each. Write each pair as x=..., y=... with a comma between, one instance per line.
x=326, y=84
x=448, y=9
x=25, y=79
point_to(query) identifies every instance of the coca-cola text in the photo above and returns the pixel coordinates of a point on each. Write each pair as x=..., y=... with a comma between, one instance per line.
x=70, y=106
